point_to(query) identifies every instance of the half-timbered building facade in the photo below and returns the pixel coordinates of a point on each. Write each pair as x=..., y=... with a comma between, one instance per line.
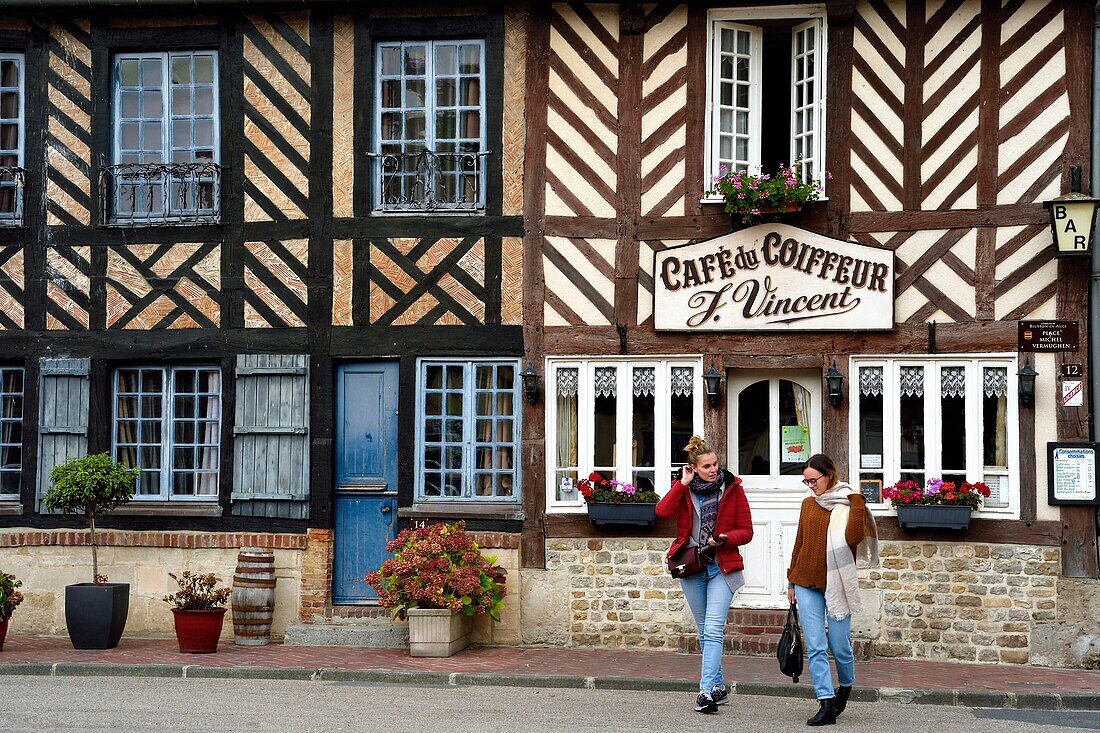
x=937, y=129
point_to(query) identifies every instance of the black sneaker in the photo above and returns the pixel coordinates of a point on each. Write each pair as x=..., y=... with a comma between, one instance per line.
x=720, y=694
x=705, y=704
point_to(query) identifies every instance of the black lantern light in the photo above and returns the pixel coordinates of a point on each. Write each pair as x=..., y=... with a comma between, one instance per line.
x=530, y=379
x=712, y=383
x=834, y=382
x=1071, y=219
x=1026, y=381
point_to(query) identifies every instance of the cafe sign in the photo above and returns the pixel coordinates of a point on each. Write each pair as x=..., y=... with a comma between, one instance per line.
x=773, y=277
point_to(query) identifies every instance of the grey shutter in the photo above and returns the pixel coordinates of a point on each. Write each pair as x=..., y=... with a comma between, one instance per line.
x=271, y=436
x=63, y=415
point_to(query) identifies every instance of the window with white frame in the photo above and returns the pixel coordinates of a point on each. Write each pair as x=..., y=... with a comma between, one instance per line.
x=626, y=419
x=11, y=138
x=951, y=418
x=766, y=89
x=467, y=429
x=167, y=423
x=430, y=126
x=11, y=431
x=165, y=138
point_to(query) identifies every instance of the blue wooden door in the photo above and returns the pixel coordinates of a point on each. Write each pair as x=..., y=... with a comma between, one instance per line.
x=366, y=475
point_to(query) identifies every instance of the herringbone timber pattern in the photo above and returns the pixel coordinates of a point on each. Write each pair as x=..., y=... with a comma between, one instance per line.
x=277, y=116
x=155, y=286
x=69, y=123
x=949, y=132
x=343, y=115
x=275, y=283
x=430, y=281
x=68, y=287
x=515, y=127
x=646, y=250
x=12, y=285
x=878, y=94
x=511, y=281
x=342, y=281
x=580, y=281
x=1034, y=115
x=935, y=273
x=664, y=111
x=1026, y=273
x=582, y=127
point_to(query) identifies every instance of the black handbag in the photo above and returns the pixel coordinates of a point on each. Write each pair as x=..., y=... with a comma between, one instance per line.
x=789, y=652
x=685, y=562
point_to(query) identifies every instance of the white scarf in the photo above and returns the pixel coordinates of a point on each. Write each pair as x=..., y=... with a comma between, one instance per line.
x=842, y=597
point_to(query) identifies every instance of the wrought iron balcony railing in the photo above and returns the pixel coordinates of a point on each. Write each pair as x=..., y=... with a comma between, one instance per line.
x=11, y=195
x=428, y=181
x=145, y=194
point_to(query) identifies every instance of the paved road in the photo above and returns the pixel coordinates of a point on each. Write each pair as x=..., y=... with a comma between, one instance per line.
x=128, y=705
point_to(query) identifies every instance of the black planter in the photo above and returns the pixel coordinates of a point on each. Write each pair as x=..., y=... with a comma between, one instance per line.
x=95, y=615
x=914, y=516
x=610, y=513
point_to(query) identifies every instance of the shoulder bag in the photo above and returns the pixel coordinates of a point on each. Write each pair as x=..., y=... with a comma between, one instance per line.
x=685, y=562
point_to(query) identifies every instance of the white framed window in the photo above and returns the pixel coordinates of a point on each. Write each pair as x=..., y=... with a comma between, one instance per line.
x=11, y=431
x=766, y=89
x=626, y=418
x=430, y=126
x=167, y=423
x=12, y=110
x=165, y=133
x=916, y=418
x=468, y=430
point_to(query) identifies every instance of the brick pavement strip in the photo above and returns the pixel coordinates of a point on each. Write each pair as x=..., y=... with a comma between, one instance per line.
x=891, y=680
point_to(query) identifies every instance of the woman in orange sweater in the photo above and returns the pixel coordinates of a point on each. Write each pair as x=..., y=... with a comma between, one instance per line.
x=835, y=529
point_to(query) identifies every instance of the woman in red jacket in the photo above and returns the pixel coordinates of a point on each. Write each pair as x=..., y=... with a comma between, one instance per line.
x=712, y=514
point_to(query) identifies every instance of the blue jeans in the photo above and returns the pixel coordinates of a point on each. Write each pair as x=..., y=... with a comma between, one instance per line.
x=815, y=637
x=708, y=596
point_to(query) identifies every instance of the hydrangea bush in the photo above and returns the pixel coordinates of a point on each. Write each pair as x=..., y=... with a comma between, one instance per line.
x=596, y=488
x=439, y=566
x=10, y=597
x=937, y=492
x=197, y=592
x=748, y=196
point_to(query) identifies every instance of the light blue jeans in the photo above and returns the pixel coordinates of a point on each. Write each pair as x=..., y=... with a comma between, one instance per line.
x=708, y=596
x=816, y=637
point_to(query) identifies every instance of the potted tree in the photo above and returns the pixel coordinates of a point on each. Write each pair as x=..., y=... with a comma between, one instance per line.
x=198, y=609
x=617, y=502
x=95, y=613
x=10, y=597
x=939, y=505
x=438, y=580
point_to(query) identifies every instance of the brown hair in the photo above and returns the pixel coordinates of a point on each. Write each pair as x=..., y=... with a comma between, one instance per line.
x=697, y=448
x=824, y=465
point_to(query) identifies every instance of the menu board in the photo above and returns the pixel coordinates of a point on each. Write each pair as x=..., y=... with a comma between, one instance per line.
x=1071, y=473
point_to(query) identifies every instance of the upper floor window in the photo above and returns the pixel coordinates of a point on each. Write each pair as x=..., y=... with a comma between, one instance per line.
x=165, y=140
x=11, y=430
x=468, y=430
x=11, y=139
x=949, y=418
x=167, y=423
x=430, y=126
x=627, y=419
x=766, y=90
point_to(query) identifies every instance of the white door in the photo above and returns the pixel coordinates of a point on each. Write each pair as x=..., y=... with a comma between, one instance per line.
x=774, y=426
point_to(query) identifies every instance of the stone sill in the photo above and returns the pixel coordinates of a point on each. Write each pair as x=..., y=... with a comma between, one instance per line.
x=168, y=509
x=461, y=510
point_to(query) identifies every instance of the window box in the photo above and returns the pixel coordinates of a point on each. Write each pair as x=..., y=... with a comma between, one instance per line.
x=602, y=513
x=933, y=517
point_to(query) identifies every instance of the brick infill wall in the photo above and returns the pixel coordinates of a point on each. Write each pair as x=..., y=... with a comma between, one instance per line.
x=180, y=540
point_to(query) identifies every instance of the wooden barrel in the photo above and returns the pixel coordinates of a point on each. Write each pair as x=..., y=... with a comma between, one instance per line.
x=253, y=597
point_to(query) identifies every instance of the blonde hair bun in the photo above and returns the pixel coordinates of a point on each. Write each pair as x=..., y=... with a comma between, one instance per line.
x=696, y=449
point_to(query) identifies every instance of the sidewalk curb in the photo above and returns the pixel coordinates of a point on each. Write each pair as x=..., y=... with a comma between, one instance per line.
x=903, y=696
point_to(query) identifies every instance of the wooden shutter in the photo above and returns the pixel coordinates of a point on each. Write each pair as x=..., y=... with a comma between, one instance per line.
x=271, y=436
x=63, y=415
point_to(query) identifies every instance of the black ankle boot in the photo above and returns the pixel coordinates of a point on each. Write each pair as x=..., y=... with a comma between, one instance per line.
x=841, y=700
x=826, y=715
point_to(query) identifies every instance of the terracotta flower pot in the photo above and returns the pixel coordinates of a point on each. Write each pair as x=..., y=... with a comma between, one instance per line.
x=3, y=632
x=198, y=631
